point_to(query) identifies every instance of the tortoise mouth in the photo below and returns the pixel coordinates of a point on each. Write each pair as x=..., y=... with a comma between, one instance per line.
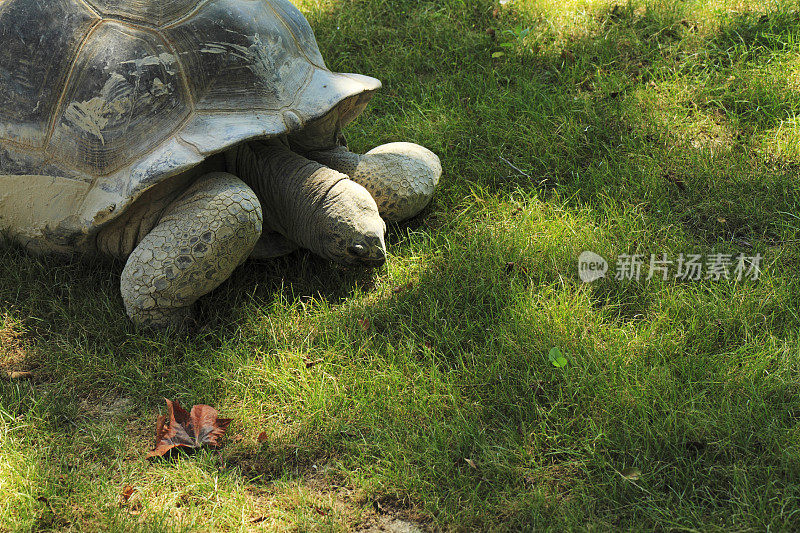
x=355, y=261
x=371, y=263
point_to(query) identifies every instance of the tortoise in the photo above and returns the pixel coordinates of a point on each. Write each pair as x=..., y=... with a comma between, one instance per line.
x=183, y=137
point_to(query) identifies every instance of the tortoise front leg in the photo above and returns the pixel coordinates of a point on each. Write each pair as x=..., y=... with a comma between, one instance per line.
x=202, y=236
x=400, y=176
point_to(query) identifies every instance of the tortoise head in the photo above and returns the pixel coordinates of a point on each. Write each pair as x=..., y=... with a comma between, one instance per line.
x=349, y=229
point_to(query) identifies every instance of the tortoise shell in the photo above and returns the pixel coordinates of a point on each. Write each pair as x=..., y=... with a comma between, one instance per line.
x=100, y=100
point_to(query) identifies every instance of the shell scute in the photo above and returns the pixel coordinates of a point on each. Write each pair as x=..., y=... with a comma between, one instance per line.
x=249, y=64
x=156, y=13
x=39, y=43
x=114, y=111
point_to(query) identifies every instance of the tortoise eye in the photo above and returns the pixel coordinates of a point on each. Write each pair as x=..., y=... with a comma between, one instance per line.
x=358, y=250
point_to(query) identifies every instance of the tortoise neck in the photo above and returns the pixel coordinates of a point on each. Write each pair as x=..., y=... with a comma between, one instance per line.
x=290, y=187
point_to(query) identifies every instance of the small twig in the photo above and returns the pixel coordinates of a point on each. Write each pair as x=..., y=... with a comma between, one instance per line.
x=13, y=376
x=515, y=167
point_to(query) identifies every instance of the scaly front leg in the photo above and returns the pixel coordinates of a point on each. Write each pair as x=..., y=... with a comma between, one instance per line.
x=400, y=176
x=202, y=236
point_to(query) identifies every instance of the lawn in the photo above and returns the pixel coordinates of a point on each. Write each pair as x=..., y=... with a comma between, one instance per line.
x=423, y=395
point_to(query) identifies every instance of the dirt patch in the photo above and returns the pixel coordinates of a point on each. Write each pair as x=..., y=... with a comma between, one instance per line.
x=367, y=515
x=323, y=498
x=391, y=525
x=108, y=408
x=16, y=353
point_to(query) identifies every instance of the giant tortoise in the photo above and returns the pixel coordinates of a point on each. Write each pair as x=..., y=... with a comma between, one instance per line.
x=185, y=136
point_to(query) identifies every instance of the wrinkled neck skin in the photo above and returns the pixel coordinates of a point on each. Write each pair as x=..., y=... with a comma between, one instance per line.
x=292, y=189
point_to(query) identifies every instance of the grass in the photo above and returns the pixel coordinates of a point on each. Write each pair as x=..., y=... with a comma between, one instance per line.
x=423, y=392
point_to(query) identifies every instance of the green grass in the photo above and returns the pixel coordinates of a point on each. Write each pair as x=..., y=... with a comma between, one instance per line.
x=423, y=391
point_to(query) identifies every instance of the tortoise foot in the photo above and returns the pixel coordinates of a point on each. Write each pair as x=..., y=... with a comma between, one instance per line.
x=400, y=176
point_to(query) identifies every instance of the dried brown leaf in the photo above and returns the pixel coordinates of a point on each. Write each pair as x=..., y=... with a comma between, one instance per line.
x=127, y=492
x=679, y=182
x=410, y=285
x=201, y=426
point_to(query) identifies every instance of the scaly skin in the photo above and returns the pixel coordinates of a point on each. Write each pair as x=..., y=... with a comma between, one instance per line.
x=200, y=239
x=310, y=204
x=401, y=177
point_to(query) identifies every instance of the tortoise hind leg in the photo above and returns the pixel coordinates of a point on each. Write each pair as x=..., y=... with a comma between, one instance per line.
x=202, y=237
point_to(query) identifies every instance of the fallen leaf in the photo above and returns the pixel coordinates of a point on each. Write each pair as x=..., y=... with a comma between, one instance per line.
x=471, y=463
x=262, y=437
x=680, y=183
x=631, y=473
x=364, y=323
x=188, y=429
x=127, y=492
x=557, y=358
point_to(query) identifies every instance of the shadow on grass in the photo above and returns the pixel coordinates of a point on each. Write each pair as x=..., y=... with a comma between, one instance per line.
x=70, y=313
